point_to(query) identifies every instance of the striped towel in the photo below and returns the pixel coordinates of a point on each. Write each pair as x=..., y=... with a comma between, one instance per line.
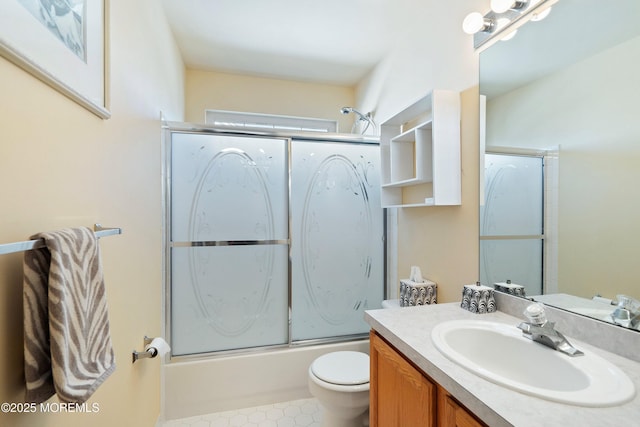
x=67, y=346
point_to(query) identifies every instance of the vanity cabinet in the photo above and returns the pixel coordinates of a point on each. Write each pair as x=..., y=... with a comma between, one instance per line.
x=420, y=153
x=452, y=414
x=401, y=395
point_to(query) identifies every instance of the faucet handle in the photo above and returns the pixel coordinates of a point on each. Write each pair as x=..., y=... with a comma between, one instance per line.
x=629, y=303
x=627, y=311
x=535, y=314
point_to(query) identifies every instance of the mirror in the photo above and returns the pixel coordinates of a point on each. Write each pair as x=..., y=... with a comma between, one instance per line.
x=567, y=89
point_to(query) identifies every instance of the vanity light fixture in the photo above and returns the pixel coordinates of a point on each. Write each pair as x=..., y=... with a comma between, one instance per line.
x=501, y=6
x=508, y=35
x=503, y=20
x=475, y=22
x=539, y=16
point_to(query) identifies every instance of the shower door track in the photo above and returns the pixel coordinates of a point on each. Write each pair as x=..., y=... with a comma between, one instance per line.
x=230, y=243
x=513, y=237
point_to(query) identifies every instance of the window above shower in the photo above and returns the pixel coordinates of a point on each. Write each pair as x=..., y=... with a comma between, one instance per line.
x=257, y=121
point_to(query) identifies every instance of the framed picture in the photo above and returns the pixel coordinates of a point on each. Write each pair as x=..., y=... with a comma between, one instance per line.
x=63, y=43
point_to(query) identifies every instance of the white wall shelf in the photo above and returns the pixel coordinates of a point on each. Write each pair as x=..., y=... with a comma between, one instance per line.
x=420, y=153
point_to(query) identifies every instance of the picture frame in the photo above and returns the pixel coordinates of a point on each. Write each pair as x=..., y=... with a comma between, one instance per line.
x=64, y=43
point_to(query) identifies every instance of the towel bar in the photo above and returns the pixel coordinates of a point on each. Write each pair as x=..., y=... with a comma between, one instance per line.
x=9, y=248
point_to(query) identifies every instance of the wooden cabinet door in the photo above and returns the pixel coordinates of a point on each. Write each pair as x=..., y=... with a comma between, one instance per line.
x=451, y=414
x=400, y=395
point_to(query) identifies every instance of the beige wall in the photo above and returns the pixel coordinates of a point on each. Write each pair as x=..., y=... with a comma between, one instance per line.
x=590, y=110
x=221, y=91
x=61, y=166
x=443, y=240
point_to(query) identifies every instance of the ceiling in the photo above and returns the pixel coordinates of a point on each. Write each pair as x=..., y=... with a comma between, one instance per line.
x=328, y=41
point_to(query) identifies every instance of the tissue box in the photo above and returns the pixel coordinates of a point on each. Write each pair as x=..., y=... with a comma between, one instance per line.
x=478, y=299
x=510, y=288
x=417, y=293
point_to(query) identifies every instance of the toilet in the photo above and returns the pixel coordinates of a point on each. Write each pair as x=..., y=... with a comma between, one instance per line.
x=340, y=382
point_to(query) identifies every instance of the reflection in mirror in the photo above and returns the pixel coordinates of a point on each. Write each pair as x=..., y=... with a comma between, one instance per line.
x=566, y=90
x=511, y=225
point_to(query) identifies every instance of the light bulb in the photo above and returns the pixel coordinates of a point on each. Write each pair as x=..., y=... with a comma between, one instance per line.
x=509, y=36
x=501, y=6
x=539, y=16
x=502, y=23
x=473, y=23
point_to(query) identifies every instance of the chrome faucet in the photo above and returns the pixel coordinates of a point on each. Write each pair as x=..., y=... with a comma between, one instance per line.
x=627, y=313
x=542, y=331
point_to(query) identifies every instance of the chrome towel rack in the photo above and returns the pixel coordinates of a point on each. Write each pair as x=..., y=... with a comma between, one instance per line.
x=28, y=245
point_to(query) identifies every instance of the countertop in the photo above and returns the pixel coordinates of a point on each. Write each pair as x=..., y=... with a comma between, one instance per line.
x=408, y=329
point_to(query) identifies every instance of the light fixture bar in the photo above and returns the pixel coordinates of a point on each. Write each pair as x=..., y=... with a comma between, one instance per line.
x=516, y=18
x=501, y=6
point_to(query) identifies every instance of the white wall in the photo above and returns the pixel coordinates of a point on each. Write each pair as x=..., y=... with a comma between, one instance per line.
x=590, y=110
x=61, y=166
x=435, y=54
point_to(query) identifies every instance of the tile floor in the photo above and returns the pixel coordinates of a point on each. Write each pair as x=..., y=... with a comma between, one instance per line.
x=296, y=413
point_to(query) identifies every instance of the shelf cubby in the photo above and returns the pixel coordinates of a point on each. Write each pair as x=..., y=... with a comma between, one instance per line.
x=420, y=153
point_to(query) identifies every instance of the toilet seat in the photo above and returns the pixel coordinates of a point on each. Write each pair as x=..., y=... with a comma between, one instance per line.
x=342, y=368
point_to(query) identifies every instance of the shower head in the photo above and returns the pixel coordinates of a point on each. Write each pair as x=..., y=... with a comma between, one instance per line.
x=347, y=110
x=361, y=117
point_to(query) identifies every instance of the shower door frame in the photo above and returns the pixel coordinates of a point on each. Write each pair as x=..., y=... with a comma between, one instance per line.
x=549, y=214
x=178, y=127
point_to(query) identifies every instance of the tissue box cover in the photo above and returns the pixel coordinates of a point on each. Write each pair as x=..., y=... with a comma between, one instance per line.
x=510, y=288
x=478, y=299
x=417, y=293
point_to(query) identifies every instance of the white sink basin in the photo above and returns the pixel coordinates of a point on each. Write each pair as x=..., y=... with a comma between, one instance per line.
x=500, y=354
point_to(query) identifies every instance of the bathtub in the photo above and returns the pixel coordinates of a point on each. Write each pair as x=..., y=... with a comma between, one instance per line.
x=203, y=386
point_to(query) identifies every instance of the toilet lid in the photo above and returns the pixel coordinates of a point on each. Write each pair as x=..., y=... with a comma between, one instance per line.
x=342, y=368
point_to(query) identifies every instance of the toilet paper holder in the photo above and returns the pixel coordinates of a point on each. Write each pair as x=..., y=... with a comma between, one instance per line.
x=150, y=353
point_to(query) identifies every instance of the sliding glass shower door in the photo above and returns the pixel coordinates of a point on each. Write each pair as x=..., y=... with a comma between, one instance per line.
x=337, y=238
x=229, y=238
x=271, y=240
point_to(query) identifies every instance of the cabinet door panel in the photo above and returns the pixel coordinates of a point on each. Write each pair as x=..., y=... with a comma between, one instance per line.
x=401, y=395
x=451, y=414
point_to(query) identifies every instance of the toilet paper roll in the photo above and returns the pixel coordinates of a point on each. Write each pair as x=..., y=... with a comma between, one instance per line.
x=160, y=345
